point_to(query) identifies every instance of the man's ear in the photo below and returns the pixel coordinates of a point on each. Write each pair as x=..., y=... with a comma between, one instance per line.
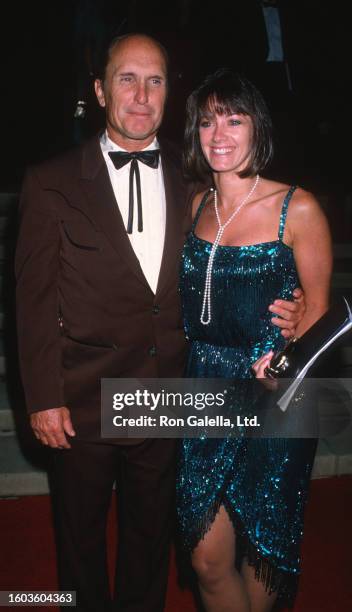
x=99, y=91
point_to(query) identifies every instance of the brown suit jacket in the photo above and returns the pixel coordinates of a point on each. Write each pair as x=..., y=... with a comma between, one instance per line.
x=84, y=308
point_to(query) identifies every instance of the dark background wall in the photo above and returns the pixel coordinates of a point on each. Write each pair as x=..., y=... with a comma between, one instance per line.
x=48, y=49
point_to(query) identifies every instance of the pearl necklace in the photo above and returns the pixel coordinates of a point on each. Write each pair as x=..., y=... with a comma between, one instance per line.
x=206, y=308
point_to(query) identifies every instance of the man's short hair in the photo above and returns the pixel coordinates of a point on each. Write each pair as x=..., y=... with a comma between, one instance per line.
x=105, y=55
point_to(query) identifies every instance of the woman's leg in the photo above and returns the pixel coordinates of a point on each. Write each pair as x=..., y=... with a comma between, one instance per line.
x=260, y=600
x=221, y=586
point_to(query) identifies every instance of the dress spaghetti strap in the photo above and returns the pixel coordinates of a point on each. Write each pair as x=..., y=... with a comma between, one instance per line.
x=284, y=211
x=200, y=208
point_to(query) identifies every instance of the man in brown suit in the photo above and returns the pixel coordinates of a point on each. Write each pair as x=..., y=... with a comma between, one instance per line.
x=93, y=302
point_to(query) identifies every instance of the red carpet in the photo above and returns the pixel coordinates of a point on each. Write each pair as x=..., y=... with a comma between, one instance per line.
x=28, y=554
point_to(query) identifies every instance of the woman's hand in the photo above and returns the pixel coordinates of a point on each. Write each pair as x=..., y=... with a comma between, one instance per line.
x=258, y=368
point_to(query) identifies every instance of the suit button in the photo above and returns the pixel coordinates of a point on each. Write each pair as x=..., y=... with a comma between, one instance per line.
x=152, y=351
x=156, y=310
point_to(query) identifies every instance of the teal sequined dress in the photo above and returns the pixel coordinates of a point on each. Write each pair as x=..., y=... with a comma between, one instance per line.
x=262, y=483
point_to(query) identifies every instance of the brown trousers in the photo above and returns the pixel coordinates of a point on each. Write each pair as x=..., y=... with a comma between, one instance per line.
x=83, y=478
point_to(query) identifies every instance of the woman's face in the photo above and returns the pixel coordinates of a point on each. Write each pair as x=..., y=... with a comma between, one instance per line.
x=226, y=140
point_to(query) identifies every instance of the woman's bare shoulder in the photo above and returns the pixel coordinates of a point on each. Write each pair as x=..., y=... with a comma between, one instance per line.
x=273, y=191
x=306, y=216
x=304, y=203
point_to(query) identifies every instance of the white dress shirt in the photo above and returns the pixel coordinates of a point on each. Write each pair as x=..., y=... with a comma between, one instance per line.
x=148, y=245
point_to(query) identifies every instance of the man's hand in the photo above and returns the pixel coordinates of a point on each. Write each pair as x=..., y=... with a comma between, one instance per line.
x=291, y=312
x=50, y=427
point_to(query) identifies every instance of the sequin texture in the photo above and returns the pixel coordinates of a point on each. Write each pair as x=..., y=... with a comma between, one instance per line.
x=262, y=483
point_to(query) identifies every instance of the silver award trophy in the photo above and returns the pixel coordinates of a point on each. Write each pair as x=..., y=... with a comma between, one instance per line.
x=300, y=354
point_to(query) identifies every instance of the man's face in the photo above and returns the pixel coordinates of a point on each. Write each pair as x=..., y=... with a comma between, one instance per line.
x=133, y=92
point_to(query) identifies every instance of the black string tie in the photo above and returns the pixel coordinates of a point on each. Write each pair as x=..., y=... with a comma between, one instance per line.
x=120, y=159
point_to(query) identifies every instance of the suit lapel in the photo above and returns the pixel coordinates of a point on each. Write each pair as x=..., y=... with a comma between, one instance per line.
x=103, y=208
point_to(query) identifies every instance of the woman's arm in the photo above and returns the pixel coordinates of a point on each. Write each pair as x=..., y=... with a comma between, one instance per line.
x=308, y=232
x=310, y=237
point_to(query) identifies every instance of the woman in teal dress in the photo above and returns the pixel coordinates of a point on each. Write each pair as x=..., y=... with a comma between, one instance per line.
x=241, y=500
